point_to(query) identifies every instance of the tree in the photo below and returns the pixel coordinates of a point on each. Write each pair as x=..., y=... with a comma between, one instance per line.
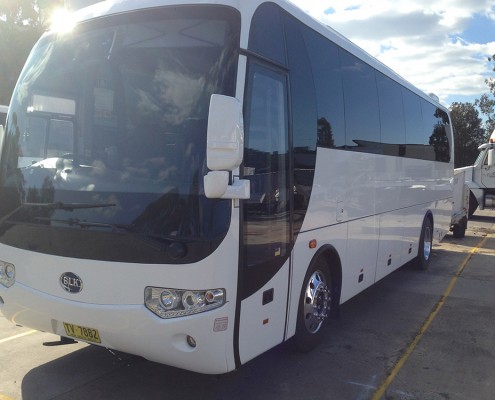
x=468, y=133
x=21, y=24
x=486, y=103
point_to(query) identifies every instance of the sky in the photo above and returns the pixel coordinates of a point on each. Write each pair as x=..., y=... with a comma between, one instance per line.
x=440, y=46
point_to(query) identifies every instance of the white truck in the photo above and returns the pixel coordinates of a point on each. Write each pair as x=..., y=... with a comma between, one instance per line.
x=460, y=206
x=480, y=178
x=3, y=114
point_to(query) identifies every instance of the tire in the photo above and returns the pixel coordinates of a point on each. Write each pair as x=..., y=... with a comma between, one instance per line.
x=314, y=307
x=425, y=245
x=473, y=204
x=458, y=231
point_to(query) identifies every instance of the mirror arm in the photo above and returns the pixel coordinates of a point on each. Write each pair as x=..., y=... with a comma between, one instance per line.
x=491, y=157
x=240, y=189
x=217, y=186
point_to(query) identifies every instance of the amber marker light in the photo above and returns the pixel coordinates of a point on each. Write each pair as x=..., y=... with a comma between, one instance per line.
x=313, y=243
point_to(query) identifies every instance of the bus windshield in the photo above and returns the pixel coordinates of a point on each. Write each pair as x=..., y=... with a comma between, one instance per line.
x=104, y=152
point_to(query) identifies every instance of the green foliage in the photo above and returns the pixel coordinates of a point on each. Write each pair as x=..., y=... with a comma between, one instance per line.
x=486, y=103
x=468, y=133
x=21, y=24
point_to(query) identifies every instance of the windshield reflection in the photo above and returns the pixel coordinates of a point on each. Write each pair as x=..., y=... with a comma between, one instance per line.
x=116, y=113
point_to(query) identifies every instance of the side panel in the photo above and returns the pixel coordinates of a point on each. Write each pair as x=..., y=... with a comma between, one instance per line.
x=382, y=160
x=391, y=222
x=262, y=321
x=362, y=248
x=390, y=243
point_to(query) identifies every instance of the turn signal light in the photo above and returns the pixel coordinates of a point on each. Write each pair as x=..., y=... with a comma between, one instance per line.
x=7, y=274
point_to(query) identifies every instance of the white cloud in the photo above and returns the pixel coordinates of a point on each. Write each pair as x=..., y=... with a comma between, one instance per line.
x=419, y=39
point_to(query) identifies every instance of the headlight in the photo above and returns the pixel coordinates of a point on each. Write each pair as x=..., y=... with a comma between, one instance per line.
x=7, y=274
x=172, y=303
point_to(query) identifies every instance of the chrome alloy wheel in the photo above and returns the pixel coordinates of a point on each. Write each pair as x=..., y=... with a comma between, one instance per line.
x=316, y=302
x=427, y=243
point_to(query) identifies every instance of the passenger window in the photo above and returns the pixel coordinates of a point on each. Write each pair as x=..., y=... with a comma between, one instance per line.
x=435, y=130
x=325, y=63
x=267, y=37
x=444, y=121
x=393, y=130
x=361, y=105
x=306, y=126
x=303, y=97
x=414, y=126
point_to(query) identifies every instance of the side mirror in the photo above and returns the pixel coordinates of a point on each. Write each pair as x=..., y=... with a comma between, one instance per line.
x=225, y=137
x=491, y=157
x=225, y=149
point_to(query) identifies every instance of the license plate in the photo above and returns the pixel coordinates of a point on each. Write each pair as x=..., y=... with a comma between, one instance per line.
x=82, y=332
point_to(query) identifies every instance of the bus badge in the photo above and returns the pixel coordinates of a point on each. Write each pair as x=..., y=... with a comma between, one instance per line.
x=70, y=282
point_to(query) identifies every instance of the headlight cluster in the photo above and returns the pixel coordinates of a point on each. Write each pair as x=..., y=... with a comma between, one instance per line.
x=172, y=303
x=7, y=274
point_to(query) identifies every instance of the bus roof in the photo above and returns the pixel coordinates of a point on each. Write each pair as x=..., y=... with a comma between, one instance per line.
x=109, y=7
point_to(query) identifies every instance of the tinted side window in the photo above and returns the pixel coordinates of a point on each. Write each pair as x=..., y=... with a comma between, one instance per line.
x=438, y=141
x=393, y=130
x=429, y=125
x=266, y=164
x=325, y=63
x=414, y=126
x=443, y=119
x=361, y=105
x=304, y=119
x=266, y=36
x=302, y=91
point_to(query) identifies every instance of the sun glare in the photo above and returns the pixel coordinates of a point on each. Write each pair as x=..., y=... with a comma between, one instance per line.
x=62, y=21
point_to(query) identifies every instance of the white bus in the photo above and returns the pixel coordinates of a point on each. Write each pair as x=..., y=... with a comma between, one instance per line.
x=198, y=182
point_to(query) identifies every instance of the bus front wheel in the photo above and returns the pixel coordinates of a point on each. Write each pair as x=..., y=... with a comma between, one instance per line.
x=425, y=244
x=314, y=307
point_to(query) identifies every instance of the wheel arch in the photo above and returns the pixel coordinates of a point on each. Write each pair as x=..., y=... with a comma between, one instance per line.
x=429, y=215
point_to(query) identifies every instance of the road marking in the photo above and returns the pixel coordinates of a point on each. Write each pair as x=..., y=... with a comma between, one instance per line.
x=16, y=337
x=3, y=397
x=380, y=392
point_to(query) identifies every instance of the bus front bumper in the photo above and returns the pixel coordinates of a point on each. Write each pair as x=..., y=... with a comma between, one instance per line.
x=131, y=328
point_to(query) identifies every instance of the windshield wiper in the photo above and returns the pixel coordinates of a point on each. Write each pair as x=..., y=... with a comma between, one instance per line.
x=68, y=206
x=86, y=224
x=57, y=206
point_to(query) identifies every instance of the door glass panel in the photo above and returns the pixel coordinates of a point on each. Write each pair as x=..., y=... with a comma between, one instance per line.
x=266, y=162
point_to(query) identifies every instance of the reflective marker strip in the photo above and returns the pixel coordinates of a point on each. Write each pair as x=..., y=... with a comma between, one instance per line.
x=16, y=337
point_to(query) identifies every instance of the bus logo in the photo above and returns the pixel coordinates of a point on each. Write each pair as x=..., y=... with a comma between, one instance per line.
x=70, y=282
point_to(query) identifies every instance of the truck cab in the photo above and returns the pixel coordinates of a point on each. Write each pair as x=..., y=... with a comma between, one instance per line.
x=480, y=177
